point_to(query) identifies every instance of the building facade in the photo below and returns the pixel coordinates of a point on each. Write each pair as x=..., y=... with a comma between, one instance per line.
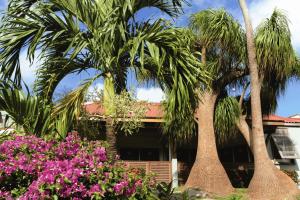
x=150, y=149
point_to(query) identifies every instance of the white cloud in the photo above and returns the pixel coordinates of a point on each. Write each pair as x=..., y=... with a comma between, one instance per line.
x=262, y=9
x=28, y=70
x=150, y=94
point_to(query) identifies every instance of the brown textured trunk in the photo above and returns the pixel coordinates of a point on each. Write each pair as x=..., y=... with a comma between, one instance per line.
x=268, y=182
x=111, y=139
x=244, y=128
x=241, y=122
x=207, y=172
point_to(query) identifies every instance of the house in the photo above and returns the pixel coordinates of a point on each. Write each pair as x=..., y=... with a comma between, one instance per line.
x=5, y=122
x=295, y=116
x=150, y=148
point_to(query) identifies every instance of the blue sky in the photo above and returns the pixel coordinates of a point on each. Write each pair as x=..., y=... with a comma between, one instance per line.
x=259, y=9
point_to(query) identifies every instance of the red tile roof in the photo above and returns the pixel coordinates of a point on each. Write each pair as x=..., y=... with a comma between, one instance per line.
x=94, y=108
x=281, y=119
x=155, y=111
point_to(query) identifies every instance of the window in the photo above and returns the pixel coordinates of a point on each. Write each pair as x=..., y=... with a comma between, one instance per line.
x=149, y=154
x=186, y=155
x=140, y=154
x=285, y=146
x=129, y=154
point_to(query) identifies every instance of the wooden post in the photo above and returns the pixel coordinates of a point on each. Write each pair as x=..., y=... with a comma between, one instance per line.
x=174, y=163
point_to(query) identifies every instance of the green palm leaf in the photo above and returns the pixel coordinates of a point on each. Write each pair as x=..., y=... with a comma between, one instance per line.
x=25, y=110
x=226, y=114
x=275, y=54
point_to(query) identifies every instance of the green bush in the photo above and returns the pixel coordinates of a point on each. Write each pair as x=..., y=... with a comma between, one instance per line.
x=32, y=168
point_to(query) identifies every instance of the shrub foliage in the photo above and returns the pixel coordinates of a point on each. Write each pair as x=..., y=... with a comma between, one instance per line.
x=32, y=168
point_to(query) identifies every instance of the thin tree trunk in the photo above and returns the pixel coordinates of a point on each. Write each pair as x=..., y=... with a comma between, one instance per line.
x=268, y=182
x=241, y=122
x=244, y=128
x=207, y=172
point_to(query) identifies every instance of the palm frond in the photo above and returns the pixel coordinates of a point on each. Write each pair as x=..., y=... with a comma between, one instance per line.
x=53, y=71
x=73, y=35
x=171, y=7
x=296, y=68
x=179, y=73
x=224, y=40
x=25, y=110
x=176, y=69
x=40, y=28
x=217, y=27
x=69, y=108
x=226, y=113
x=275, y=54
x=269, y=96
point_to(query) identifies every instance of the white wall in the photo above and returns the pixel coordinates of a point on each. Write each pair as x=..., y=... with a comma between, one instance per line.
x=3, y=114
x=294, y=133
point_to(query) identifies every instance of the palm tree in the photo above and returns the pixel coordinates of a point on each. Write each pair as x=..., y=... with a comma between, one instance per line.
x=28, y=112
x=270, y=91
x=268, y=182
x=70, y=36
x=220, y=39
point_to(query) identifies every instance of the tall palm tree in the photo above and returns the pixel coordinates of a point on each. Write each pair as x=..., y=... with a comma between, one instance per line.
x=272, y=86
x=268, y=182
x=270, y=91
x=70, y=36
x=220, y=39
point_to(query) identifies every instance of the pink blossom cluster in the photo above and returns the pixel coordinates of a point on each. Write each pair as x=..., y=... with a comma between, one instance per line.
x=32, y=168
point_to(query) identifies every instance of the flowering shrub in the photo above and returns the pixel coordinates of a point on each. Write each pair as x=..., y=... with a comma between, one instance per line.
x=31, y=168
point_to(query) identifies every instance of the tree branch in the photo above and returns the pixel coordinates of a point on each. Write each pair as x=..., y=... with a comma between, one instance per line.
x=245, y=130
x=230, y=76
x=243, y=95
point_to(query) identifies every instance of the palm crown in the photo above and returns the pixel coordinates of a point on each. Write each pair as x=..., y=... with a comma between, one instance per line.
x=71, y=36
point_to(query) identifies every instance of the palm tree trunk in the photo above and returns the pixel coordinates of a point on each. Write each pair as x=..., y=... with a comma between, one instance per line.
x=207, y=172
x=244, y=128
x=241, y=122
x=268, y=182
x=111, y=139
x=108, y=98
